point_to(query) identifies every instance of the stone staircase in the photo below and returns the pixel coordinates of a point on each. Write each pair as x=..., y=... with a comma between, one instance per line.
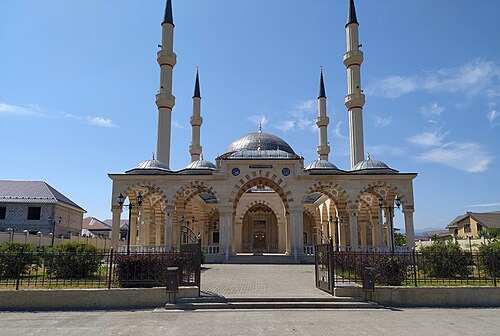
x=219, y=302
x=261, y=259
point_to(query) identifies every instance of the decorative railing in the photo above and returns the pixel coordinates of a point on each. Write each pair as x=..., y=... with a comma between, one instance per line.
x=309, y=250
x=210, y=249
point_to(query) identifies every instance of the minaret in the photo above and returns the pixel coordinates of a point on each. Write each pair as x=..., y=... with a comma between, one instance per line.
x=196, y=121
x=164, y=98
x=355, y=99
x=322, y=121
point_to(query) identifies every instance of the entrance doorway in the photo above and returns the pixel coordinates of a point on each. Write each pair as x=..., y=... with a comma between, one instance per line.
x=259, y=241
x=259, y=233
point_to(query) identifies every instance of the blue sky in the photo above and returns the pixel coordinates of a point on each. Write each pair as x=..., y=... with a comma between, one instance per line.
x=78, y=80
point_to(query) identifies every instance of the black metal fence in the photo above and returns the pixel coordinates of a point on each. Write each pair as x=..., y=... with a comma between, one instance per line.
x=408, y=268
x=30, y=270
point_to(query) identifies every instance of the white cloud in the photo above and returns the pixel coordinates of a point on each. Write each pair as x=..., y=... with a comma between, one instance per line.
x=178, y=125
x=492, y=115
x=286, y=125
x=258, y=120
x=432, y=110
x=382, y=122
x=426, y=139
x=100, y=121
x=336, y=131
x=93, y=120
x=485, y=205
x=385, y=150
x=467, y=156
x=20, y=111
x=475, y=78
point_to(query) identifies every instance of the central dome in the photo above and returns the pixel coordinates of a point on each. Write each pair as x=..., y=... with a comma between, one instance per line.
x=259, y=141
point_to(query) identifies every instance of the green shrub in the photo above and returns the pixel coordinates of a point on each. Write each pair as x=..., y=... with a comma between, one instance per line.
x=72, y=260
x=489, y=259
x=442, y=260
x=144, y=270
x=13, y=259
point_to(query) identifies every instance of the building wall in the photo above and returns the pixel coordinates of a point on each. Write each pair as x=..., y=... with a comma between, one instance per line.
x=71, y=221
x=16, y=217
x=461, y=228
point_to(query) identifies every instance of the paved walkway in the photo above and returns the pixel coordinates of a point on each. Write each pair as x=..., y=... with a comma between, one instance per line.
x=233, y=280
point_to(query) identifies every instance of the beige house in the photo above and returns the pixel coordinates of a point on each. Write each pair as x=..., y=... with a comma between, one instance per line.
x=472, y=223
x=259, y=196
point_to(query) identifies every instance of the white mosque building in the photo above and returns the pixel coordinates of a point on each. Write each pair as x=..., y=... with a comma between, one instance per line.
x=259, y=197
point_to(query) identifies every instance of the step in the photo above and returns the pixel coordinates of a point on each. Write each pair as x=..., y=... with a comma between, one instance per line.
x=214, y=303
x=261, y=259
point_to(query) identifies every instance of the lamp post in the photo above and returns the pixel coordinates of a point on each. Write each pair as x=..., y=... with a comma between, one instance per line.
x=130, y=206
x=26, y=232
x=53, y=233
x=391, y=209
x=11, y=236
x=39, y=234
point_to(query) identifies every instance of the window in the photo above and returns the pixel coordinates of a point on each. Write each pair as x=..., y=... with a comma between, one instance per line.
x=479, y=226
x=2, y=212
x=34, y=213
x=305, y=237
x=215, y=237
x=467, y=228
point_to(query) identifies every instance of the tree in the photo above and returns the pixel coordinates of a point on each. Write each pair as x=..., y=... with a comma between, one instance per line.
x=399, y=239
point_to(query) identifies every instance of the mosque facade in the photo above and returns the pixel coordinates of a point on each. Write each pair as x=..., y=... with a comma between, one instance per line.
x=259, y=197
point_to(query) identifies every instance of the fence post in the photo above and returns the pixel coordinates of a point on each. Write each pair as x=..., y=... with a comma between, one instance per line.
x=198, y=267
x=18, y=271
x=110, y=267
x=493, y=270
x=415, y=267
x=331, y=267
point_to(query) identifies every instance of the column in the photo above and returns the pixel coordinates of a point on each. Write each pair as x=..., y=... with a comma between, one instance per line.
x=296, y=227
x=133, y=226
x=226, y=230
x=353, y=228
x=115, y=228
x=238, y=228
x=410, y=230
x=169, y=227
x=158, y=225
x=375, y=230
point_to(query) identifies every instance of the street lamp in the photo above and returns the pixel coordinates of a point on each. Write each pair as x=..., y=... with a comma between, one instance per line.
x=130, y=206
x=39, y=234
x=390, y=208
x=26, y=232
x=53, y=233
x=11, y=237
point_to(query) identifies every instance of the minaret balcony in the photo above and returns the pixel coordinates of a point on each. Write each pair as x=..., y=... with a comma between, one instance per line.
x=355, y=100
x=322, y=121
x=166, y=57
x=165, y=99
x=196, y=121
x=353, y=57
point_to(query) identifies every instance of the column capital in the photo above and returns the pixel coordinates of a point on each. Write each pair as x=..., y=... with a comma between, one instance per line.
x=116, y=208
x=408, y=208
x=225, y=209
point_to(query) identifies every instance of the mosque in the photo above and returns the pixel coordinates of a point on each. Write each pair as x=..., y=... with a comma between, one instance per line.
x=259, y=197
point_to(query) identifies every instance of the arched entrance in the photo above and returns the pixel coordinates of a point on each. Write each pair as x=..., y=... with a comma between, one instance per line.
x=260, y=230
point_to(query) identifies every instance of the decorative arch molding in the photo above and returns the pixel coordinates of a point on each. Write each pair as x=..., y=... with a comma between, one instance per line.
x=259, y=202
x=149, y=191
x=192, y=189
x=330, y=189
x=265, y=178
x=381, y=188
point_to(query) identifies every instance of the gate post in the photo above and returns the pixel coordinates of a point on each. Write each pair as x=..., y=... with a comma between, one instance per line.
x=331, y=266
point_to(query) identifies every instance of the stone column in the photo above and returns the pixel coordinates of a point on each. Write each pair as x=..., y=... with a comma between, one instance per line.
x=281, y=237
x=296, y=228
x=169, y=227
x=226, y=230
x=133, y=226
x=115, y=228
x=238, y=228
x=375, y=230
x=158, y=225
x=362, y=226
x=353, y=228
x=410, y=230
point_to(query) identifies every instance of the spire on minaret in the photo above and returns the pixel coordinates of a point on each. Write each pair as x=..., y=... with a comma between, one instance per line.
x=322, y=93
x=322, y=121
x=196, y=121
x=197, y=86
x=351, y=16
x=169, y=17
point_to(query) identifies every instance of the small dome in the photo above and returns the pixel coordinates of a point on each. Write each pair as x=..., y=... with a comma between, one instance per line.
x=201, y=164
x=321, y=164
x=149, y=166
x=259, y=141
x=370, y=164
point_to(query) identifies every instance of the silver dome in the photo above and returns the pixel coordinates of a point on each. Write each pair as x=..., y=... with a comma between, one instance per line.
x=259, y=141
x=201, y=164
x=370, y=164
x=321, y=164
x=149, y=166
x=261, y=154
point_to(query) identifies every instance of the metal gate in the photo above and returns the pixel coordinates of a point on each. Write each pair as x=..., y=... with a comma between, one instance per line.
x=323, y=261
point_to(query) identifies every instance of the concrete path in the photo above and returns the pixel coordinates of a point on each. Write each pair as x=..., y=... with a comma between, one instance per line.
x=380, y=322
x=232, y=280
